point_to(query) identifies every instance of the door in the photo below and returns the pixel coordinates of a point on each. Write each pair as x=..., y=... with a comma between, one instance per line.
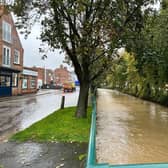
x=5, y=85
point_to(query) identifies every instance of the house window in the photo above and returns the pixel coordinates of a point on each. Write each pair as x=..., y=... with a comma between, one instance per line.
x=6, y=31
x=6, y=55
x=32, y=83
x=14, y=79
x=24, y=83
x=5, y=81
x=16, y=57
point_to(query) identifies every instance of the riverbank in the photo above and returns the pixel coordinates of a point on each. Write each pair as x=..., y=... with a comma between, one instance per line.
x=61, y=126
x=159, y=99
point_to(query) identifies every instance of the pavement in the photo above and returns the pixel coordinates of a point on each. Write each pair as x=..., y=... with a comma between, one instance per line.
x=42, y=155
x=40, y=92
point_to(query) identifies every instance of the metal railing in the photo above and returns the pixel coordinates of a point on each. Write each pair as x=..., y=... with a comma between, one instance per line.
x=91, y=158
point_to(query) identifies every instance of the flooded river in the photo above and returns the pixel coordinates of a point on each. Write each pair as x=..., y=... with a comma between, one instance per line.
x=130, y=130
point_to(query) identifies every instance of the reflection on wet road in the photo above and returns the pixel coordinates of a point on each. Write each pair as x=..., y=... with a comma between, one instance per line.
x=21, y=113
x=130, y=130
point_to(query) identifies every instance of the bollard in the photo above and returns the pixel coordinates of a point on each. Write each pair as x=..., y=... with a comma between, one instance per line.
x=62, y=102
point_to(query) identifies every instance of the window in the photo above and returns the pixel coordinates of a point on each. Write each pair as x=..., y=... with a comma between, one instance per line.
x=14, y=79
x=6, y=31
x=5, y=81
x=24, y=83
x=16, y=57
x=6, y=55
x=32, y=83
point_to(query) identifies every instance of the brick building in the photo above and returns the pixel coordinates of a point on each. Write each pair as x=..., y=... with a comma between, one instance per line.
x=62, y=75
x=45, y=76
x=14, y=78
x=29, y=80
x=40, y=80
x=11, y=57
x=50, y=76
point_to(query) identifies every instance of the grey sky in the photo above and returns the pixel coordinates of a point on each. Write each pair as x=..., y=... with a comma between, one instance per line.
x=31, y=51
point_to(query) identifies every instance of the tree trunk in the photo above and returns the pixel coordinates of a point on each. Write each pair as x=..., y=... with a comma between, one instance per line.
x=81, y=111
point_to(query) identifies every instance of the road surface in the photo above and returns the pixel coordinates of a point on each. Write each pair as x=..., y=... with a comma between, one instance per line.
x=18, y=113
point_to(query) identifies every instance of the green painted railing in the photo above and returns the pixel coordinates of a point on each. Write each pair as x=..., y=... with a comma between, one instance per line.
x=91, y=159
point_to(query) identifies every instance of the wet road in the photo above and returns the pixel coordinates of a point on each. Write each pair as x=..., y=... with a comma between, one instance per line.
x=18, y=114
x=130, y=130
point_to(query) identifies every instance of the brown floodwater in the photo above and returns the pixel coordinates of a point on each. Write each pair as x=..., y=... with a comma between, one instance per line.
x=130, y=130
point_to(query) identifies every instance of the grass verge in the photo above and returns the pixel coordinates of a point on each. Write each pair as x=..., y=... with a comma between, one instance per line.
x=59, y=126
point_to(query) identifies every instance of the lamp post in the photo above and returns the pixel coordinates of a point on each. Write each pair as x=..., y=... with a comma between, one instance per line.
x=44, y=82
x=44, y=75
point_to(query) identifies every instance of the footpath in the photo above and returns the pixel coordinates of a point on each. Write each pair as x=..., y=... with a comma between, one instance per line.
x=40, y=92
x=41, y=155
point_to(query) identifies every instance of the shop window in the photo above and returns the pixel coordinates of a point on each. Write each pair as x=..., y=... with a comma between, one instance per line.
x=6, y=55
x=6, y=31
x=16, y=57
x=15, y=80
x=5, y=81
x=24, y=83
x=32, y=83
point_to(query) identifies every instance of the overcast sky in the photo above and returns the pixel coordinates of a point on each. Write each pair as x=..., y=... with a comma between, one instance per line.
x=32, y=57
x=31, y=46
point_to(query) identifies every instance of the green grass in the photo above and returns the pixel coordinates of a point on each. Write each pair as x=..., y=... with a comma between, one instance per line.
x=60, y=126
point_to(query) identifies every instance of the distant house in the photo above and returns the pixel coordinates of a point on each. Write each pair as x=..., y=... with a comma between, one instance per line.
x=41, y=76
x=50, y=78
x=45, y=76
x=62, y=75
x=11, y=57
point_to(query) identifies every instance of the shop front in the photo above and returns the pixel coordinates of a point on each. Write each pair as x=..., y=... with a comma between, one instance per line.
x=29, y=80
x=8, y=79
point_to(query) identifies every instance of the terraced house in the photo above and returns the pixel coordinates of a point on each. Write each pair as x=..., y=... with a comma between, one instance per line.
x=14, y=78
x=11, y=57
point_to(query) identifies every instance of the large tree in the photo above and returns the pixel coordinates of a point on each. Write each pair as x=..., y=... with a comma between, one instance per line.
x=87, y=30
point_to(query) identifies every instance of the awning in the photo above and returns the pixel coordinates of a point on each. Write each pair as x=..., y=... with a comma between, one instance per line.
x=9, y=70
